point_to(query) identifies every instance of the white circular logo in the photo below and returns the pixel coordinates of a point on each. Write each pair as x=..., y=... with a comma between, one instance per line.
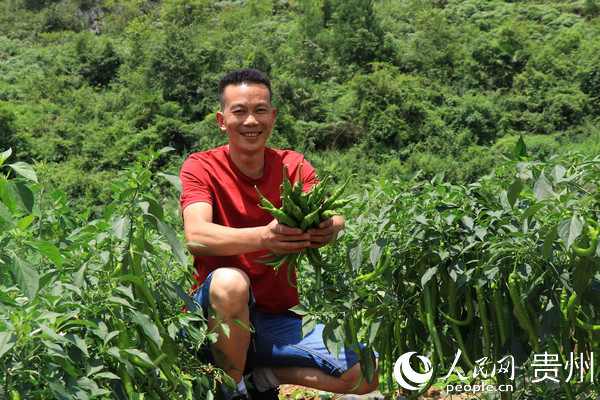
x=407, y=377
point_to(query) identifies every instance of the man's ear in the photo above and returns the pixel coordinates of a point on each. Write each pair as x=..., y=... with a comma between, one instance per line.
x=221, y=121
x=273, y=114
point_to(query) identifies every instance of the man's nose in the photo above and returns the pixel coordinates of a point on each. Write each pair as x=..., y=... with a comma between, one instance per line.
x=250, y=120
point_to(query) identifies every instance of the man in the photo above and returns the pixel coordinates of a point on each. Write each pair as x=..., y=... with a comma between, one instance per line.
x=220, y=214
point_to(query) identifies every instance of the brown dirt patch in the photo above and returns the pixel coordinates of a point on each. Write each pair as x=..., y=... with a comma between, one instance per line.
x=295, y=392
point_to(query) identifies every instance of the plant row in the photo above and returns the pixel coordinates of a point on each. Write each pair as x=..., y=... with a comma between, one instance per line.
x=483, y=279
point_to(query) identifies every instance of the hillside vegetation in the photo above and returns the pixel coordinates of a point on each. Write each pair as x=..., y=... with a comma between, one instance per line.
x=471, y=230
x=382, y=88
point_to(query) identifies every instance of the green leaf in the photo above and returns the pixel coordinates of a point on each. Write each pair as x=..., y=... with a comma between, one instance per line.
x=147, y=326
x=174, y=242
x=24, y=222
x=5, y=214
x=520, y=149
x=152, y=207
x=428, y=275
x=374, y=328
x=49, y=250
x=421, y=219
x=25, y=170
x=569, y=229
x=355, y=257
x=106, y=375
x=7, y=341
x=308, y=324
x=514, y=190
x=79, y=275
x=548, y=244
x=334, y=336
x=171, y=347
x=59, y=391
x=225, y=329
x=542, y=187
x=165, y=149
x=126, y=194
x=367, y=362
x=549, y=322
x=140, y=354
x=299, y=309
x=119, y=300
x=188, y=300
x=173, y=179
x=4, y=156
x=21, y=195
x=531, y=210
x=78, y=342
x=376, y=250
x=120, y=227
x=26, y=276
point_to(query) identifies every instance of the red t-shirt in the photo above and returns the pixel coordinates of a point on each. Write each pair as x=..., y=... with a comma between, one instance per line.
x=212, y=177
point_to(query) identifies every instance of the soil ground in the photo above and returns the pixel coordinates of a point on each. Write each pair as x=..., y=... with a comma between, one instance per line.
x=293, y=392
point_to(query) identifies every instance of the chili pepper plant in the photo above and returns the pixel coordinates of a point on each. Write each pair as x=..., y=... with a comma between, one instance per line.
x=499, y=272
x=91, y=307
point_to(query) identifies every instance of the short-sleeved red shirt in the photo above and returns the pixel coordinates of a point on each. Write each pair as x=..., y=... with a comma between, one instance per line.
x=212, y=177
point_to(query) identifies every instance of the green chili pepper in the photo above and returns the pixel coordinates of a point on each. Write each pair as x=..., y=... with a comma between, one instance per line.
x=501, y=322
x=593, y=230
x=520, y=312
x=303, y=203
x=275, y=212
x=286, y=185
x=310, y=219
x=572, y=315
x=353, y=342
x=390, y=380
x=327, y=214
x=138, y=361
x=487, y=342
x=292, y=209
x=382, y=265
x=336, y=194
x=314, y=257
x=126, y=381
x=398, y=332
x=452, y=305
x=455, y=323
x=427, y=385
x=430, y=322
x=290, y=268
x=340, y=203
x=319, y=192
x=298, y=187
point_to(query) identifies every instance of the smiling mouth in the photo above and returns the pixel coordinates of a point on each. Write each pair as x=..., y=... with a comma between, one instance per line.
x=250, y=134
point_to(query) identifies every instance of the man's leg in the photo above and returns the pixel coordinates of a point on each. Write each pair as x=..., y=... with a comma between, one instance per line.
x=281, y=352
x=317, y=379
x=229, y=297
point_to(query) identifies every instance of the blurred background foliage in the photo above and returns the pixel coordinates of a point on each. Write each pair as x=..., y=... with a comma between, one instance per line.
x=381, y=88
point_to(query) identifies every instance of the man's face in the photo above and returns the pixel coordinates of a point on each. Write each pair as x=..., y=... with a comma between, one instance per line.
x=247, y=117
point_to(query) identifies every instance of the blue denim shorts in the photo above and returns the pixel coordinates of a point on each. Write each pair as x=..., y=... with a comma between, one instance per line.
x=276, y=341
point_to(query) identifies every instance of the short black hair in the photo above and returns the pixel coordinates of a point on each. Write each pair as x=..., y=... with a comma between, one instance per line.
x=244, y=76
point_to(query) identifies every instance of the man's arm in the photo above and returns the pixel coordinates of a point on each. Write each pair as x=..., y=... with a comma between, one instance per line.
x=219, y=240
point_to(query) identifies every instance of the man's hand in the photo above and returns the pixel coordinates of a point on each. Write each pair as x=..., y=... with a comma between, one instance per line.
x=282, y=239
x=326, y=232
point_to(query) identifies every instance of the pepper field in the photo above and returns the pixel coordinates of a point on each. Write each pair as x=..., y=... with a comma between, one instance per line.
x=489, y=288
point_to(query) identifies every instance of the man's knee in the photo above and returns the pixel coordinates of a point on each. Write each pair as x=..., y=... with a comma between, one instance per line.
x=353, y=376
x=229, y=290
